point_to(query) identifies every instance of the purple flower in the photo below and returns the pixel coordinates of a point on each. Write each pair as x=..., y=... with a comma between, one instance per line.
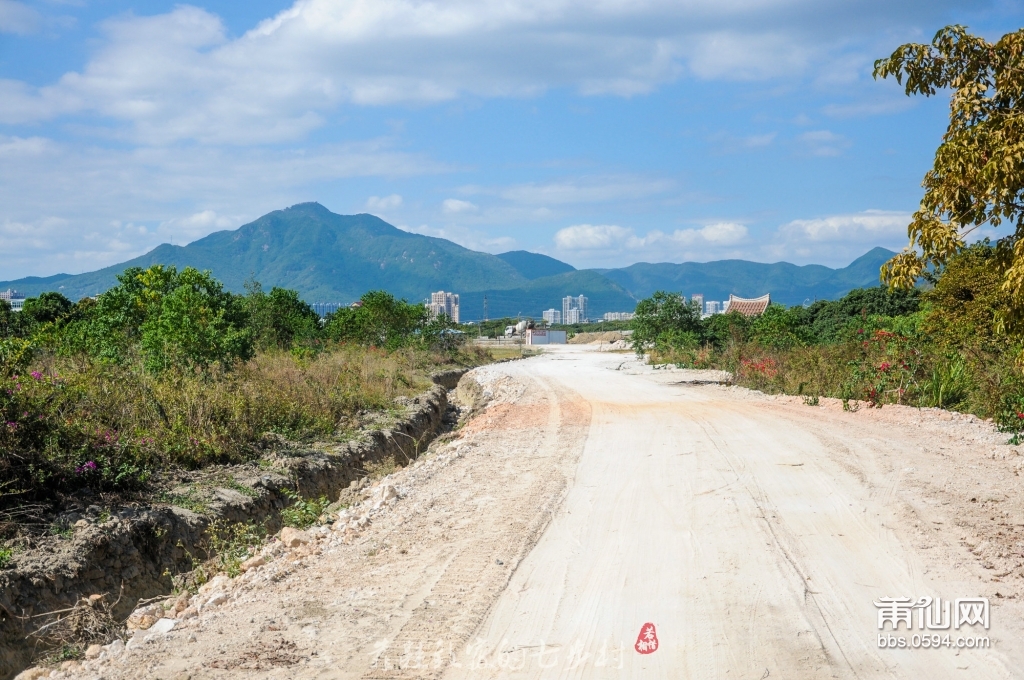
x=37, y=375
x=87, y=467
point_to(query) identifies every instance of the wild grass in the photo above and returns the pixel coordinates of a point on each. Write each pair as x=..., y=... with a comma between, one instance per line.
x=72, y=422
x=878, y=367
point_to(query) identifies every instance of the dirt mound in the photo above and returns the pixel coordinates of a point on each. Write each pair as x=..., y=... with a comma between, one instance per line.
x=590, y=338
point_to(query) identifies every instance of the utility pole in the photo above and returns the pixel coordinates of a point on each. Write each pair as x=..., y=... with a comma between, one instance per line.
x=485, y=308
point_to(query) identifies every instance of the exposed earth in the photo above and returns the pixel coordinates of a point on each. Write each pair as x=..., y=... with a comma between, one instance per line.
x=593, y=496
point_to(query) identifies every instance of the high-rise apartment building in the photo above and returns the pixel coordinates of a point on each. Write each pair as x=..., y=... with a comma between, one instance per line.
x=574, y=309
x=552, y=317
x=698, y=300
x=444, y=303
x=712, y=307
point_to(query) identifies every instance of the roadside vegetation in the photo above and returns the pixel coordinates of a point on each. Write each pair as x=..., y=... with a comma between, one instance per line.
x=168, y=370
x=937, y=345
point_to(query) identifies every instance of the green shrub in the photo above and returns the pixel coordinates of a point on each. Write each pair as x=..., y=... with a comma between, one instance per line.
x=232, y=544
x=303, y=512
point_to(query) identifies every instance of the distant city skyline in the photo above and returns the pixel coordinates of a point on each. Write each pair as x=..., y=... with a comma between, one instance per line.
x=618, y=132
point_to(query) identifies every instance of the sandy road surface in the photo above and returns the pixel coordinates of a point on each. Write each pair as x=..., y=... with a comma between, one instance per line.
x=595, y=495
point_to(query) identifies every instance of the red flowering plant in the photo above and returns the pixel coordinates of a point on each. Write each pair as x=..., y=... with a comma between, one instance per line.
x=1011, y=418
x=759, y=373
x=885, y=370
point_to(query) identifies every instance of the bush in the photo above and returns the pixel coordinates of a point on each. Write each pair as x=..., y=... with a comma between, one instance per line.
x=380, y=320
x=665, y=322
x=303, y=512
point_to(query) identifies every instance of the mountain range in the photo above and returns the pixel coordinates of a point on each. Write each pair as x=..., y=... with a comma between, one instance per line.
x=336, y=258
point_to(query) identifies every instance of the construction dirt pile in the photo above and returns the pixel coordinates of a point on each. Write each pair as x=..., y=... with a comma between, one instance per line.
x=592, y=338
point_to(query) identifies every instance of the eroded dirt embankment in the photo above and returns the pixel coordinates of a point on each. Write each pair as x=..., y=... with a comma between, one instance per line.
x=415, y=563
x=133, y=552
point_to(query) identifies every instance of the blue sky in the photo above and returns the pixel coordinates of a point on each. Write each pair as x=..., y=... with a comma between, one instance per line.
x=603, y=132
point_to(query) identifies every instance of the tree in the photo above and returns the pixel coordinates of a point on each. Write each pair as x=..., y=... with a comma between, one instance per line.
x=7, y=320
x=47, y=308
x=665, y=321
x=724, y=330
x=442, y=333
x=779, y=327
x=965, y=302
x=828, y=319
x=279, y=318
x=380, y=320
x=193, y=323
x=978, y=174
x=176, y=318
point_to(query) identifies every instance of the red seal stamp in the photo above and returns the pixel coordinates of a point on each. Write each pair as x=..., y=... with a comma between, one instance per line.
x=647, y=640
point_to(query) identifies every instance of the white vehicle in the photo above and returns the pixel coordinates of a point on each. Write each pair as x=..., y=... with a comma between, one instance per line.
x=518, y=329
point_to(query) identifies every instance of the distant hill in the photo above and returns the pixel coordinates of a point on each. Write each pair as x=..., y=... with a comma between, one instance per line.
x=789, y=284
x=337, y=258
x=323, y=255
x=534, y=265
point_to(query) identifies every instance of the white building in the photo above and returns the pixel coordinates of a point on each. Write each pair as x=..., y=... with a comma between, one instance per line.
x=444, y=303
x=698, y=300
x=14, y=298
x=552, y=317
x=618, y=316
x=574, y=309
x=712, y=307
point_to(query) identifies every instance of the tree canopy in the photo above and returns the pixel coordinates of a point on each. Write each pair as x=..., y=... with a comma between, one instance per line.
x=978, y=174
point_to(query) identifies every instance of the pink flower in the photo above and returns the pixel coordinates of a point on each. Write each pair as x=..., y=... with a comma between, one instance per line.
x=91, y=466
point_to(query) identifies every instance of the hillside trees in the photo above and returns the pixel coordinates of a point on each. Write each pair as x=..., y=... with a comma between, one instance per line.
x=978, y=173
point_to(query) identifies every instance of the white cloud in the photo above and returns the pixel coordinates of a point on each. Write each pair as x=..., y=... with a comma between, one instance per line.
x=593, y=237
x=453, y=206
x=179, y=76
x=823, y=143
x=603, y=240
x=383, y=204
x=184, y=230
x=17, y=17
x=723, y=233
x=585, y=190
x=871, y=226
x=745, y=56
x=836, y=240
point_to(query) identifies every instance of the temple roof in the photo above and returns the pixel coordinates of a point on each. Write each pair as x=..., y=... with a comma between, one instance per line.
x=749, y=306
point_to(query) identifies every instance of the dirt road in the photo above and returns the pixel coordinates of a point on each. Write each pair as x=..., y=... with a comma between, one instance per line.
x=595, y=495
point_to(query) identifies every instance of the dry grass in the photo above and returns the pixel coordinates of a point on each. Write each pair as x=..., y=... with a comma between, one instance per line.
x=73, y=422
x=64, y=635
